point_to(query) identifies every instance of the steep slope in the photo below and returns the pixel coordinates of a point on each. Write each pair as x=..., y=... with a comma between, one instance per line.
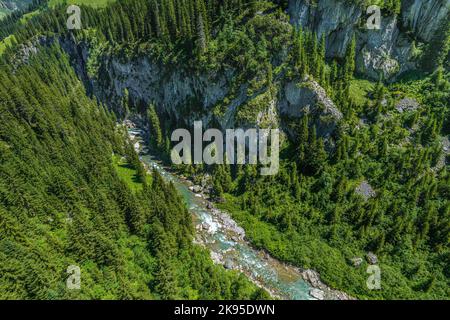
x=8, y=6
x=13, y=5
x=64, y=201
x=220, y=92
x=363, y=172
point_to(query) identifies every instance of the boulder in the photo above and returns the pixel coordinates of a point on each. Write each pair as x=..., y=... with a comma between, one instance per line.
x=205, y=226
x=313, y=278
x=317, y=294
x=219, y=200
x=407, y=104
x=372, y=258
x=365, y=189
x=357, y=261
x=206, y=180
x=229, y=264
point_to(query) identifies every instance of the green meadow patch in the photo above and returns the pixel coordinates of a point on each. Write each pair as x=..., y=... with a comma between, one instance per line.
x=5, y=43
x=359, y=89
x=127, y=173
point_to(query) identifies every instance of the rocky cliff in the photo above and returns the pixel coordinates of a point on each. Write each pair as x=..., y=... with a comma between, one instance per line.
x=424, y=17
x=12, y=5
x=388, y=51
x=308, y=98
x=184, y=96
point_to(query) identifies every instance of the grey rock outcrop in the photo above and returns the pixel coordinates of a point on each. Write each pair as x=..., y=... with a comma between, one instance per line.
x=424, y=17
x=229, y=264
x=365, y=190
x=407, y=104
x=169, y=89
x=26, y=50
x=372, y=258
x=308, y=97
x=186, y=96
x=313, y=278
x=335, y=19
x=319, y=290
x=317, y=294
x=13, y=5
x=8, y=7
x=387, y=51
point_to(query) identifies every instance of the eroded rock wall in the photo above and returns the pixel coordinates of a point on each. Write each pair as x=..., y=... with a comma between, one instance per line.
x=388, y=51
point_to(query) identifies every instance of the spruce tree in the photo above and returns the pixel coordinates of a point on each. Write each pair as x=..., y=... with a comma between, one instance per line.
x=156, y=136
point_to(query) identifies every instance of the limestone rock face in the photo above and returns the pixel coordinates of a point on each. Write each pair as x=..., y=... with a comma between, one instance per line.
x=183, y=96
x=384, y=52
x=424, y=17
x=13, y=5
x=8, y=5
x=169, y=89
x=387, y=51
x=308, y=97
x=335, y=19
x=26, y=50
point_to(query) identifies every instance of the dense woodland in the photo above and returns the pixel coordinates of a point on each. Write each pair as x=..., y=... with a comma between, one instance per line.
x=63, y=202
x=58, y=180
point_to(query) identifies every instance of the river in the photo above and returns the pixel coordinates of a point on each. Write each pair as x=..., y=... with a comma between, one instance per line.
x=225, y=240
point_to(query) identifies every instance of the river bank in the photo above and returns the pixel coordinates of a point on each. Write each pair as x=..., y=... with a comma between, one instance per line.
x=226, y=240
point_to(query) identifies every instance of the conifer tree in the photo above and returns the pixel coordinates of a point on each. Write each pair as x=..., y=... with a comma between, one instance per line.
x=156, y=136
x=201, y=36
x=126, y=103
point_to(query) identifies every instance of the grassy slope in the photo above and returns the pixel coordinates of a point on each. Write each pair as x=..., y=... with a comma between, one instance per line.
x=51, y=3
x=4, y=43
x=28, y=16
x=359, y=89
x=127, y=173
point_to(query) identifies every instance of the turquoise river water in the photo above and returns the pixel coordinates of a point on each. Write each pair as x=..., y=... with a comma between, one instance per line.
x=225, y=240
